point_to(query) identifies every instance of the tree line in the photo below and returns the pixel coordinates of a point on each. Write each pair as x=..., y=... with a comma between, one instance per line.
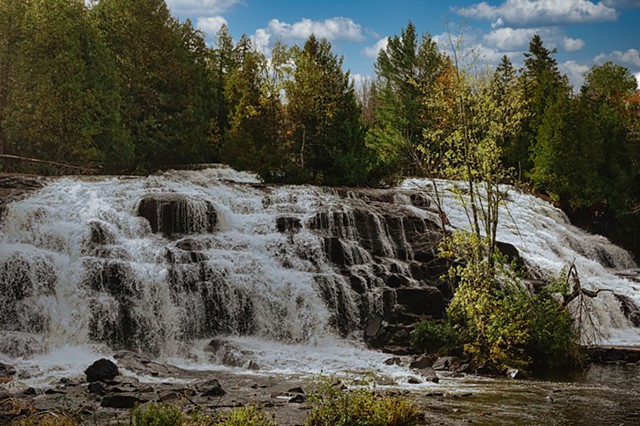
x=123, y=86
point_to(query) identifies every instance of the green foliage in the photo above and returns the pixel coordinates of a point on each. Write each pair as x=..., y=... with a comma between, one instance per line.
x=435, y=336
x=502, y=323
x=153, y=414
x=249, y=415
x=334, y=405
x=406, y=71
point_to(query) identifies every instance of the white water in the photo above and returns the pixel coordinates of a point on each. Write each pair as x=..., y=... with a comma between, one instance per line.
x=63, y=320
x=548, y=242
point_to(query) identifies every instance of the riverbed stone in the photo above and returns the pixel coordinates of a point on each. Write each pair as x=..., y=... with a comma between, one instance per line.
x=212, y=388
x=101, y=370
x=120, y=400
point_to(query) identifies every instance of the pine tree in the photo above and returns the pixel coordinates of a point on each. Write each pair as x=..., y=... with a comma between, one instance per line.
x=407, y=70
x=326, y=133
x=164, y=82
x=62, y=102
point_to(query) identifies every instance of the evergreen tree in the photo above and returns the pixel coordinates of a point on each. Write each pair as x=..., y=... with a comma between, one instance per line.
x=62, y=100
x=326, y=134
x=541, y=81
x=407, y=70
x=164, y=82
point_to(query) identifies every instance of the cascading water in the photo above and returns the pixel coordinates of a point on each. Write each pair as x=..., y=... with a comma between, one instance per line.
x=549, y=244
x=164, y=264
x=189, y=262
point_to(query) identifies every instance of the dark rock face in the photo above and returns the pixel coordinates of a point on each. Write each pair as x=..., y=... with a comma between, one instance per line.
x=6, y=370
x=101, y=370
x=177, y=214
x=212, y=388
x=122, y=401
x=13, y=188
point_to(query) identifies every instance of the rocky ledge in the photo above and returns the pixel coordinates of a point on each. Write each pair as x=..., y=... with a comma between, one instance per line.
x=110, y=388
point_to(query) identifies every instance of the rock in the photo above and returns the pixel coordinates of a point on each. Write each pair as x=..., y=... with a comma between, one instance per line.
x=120, y=400
x=177, y=214
x=421, y=362
x=429, y=374
x=514, y=373
x=447, y=363
x=422, y=301
x=98, y=388
x=6, y=370
x=252, y=365
x=101, y=370
x=30, y=392
x=412, y=380
x=296, y=390
x=298, y=398
x=288, y=225
x=373, y=327
x=393, y=361
x=212, y=388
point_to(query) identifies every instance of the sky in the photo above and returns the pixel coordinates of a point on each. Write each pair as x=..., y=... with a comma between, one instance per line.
x=584, y=32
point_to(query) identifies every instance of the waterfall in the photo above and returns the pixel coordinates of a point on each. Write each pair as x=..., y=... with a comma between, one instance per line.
x=185, y=260
x=548, y=243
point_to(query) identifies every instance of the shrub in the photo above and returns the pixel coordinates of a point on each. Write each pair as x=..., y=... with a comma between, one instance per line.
x=334, y=405
x=157, y=415
x=434, y=336
x=249, y=415
x=503, y=324
x=46, y=419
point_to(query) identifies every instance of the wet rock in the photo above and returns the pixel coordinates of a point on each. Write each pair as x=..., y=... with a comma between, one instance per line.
x=177, y=214
x=121, y=400
x=288, y=225
x=6, y=370
x=97, y=388
x=421, y=362
x=447, y=363
x=514, y=373
x=101, y=370
x=297, y=389
x=30, y=391
x=412, y=380
x=251, y=365
x=422, y=301
x=393, y=361
x=429, y=374
x=211, y=388
x=298, y=398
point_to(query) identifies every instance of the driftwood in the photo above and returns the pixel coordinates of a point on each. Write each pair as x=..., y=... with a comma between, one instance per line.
x=582, y=294
x=50, y=163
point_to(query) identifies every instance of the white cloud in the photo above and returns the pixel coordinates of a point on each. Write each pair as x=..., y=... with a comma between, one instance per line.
x=637, y=76
x=372, y=51
x=359, y=80
x=337, y=28
x=511, y=38
x=202, y=7
x=211, y=25
x=572, y=44
x=575, y=72
x=629, y=57
x=260, y=40
x=544, y=12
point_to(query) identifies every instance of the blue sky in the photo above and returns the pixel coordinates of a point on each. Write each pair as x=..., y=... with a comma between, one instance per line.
x=585, y=32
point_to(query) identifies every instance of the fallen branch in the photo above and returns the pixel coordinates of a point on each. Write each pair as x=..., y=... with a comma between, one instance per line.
x=51, y=163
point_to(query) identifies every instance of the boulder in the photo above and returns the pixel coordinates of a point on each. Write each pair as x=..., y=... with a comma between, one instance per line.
x=120, y=400
x=101, y=370
x=211, y=388
x=421, y=362
x=422, y=301
x=177, y=214
x=447, y=363
x=429, y=374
